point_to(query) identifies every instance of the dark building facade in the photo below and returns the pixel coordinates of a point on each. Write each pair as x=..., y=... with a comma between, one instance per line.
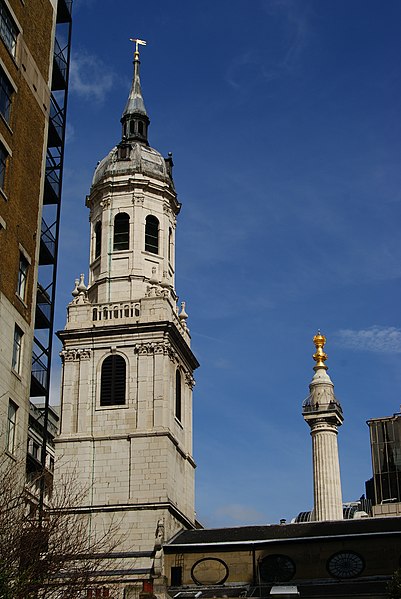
x=384, y=488
x=354, y=558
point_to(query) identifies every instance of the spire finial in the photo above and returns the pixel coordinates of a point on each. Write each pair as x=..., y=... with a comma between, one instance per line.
x=320, y=356
x=137, y=43
x=135, y=120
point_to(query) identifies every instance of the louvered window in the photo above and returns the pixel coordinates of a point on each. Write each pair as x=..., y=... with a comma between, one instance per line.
x=98, y=239
x=178, y=395
x=121, y=232
x=112, y=390
x=152, y=234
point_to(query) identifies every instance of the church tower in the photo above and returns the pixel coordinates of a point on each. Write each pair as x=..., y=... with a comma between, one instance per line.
x=323, y=413
x=127, y=379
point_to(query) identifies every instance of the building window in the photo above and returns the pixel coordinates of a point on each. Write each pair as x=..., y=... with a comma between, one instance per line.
x=35, y=450
x=22, y=276
x=345, y=564
x=121, y=232
x=170, y=244
x=99, y=593
x=276, y=568
x=3, y=164
x=6, y=92
x=8, y=29
x=17, y=349
x=98, y=239
x=11, y=426
x=152, y=234
x=112, y=385
x=178, y=395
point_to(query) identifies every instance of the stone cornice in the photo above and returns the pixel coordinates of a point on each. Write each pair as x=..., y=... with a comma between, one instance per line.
x=166, y=327
x=133, y=184
x=163, y=505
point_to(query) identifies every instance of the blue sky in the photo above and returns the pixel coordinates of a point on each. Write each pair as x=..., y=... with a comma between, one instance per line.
x=283, y=117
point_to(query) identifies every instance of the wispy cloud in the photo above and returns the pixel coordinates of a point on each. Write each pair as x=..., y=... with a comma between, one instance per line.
x=374, y=339
x=78, y=4
x=70, y=132
x=222, y=364
x=293, y=20
x=90, y=77
x=296, y=24
x=237, y=513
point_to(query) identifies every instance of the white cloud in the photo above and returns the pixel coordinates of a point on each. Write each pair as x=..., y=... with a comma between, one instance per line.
x=89, y=77
x=374, y=339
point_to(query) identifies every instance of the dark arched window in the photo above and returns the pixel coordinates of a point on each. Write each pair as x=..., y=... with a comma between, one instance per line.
x=152, y=234
x=112, y=387
x=98, y=238
x=178, y=394
x=170, y=244
x=121, y=232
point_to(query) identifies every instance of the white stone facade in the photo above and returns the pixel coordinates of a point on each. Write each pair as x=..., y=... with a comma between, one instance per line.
x=14, y=385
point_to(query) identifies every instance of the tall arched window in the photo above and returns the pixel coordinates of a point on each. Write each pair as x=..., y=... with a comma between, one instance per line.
x=121, y=232
x=178, y=395
x=152, y=234
x=98, y=238
x=170, y=245
x=112, y=385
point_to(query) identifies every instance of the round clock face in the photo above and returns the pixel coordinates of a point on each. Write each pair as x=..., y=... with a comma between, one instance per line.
x=345, y=564
x=276, y=568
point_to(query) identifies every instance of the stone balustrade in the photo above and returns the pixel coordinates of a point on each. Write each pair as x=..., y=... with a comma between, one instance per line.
x=116, y=310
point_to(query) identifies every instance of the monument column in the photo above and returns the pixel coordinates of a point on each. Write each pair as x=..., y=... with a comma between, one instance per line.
x=323, y=413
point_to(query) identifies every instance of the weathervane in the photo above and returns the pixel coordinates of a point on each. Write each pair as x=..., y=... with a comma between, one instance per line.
x=137, y=43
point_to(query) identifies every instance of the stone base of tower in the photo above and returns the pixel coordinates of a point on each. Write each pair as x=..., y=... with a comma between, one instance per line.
x=125, y=540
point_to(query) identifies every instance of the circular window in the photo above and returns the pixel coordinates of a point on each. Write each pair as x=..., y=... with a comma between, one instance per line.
x=209, y=570
x=345, y=564
x=276, y=568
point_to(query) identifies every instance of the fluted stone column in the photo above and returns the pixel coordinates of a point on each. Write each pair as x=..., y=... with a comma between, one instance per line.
x=323, y=414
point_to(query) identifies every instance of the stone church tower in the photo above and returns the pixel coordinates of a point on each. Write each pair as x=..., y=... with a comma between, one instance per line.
x=323, y=413
x=127, y=379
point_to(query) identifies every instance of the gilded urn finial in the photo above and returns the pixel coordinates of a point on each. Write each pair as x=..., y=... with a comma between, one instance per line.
x=320, y=356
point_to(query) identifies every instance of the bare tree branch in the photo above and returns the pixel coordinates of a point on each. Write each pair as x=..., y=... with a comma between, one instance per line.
x=56, y=554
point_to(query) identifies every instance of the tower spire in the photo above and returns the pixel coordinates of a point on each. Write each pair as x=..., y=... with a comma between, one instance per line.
x=135, y=120
x=323, y=413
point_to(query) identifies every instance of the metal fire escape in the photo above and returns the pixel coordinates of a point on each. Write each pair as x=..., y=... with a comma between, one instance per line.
x=49, y=235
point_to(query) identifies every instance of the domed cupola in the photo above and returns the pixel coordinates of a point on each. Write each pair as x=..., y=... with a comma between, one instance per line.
x=133, y=155
x=135, y=120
